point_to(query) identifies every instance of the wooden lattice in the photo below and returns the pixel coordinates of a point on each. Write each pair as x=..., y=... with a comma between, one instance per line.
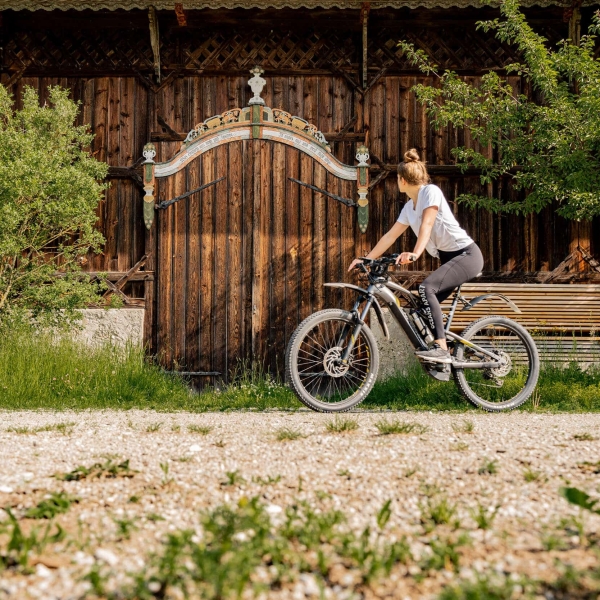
x=73, y=52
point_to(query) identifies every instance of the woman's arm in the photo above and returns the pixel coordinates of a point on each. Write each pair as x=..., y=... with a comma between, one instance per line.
x=384, y=243
x=429, y=216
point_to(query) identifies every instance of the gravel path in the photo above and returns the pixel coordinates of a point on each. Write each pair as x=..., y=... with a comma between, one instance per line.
x=355, y=472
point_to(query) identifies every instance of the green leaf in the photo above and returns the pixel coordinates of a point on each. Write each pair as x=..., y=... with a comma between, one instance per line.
x=383, y=516
x=579, y=498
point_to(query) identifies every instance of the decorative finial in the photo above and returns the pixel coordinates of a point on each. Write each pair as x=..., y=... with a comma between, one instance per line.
x=257, y=83
x=362, y=155
x=149, y=152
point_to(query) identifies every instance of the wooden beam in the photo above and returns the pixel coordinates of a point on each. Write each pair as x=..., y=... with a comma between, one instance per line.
x=180, y=14
x=125, y=173
x=154, y=40
x=364, y=21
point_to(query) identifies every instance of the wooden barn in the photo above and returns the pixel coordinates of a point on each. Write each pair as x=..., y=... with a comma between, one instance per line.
x=228, y=272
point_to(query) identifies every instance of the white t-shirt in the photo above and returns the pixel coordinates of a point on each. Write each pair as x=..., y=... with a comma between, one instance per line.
x=446, y=235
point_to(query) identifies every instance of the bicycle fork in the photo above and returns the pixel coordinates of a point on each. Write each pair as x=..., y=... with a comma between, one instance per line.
x=360, y=321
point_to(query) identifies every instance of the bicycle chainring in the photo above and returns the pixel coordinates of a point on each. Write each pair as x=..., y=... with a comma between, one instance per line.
x=332, y=361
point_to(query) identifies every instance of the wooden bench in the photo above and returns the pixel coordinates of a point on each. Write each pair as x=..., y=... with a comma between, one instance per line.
x=563, y=319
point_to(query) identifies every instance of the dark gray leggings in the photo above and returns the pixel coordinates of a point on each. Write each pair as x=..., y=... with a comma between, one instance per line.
x=457, y=268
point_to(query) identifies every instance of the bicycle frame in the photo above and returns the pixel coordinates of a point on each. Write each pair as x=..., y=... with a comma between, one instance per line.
x=384, y=290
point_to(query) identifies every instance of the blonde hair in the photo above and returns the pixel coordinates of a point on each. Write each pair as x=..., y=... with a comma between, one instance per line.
x=413, y=170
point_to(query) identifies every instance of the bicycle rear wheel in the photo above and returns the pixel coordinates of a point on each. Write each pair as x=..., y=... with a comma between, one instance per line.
x=313, y=368
x=505, y=387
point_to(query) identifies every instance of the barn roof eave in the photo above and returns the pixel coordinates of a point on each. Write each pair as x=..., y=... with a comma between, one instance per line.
x=231, y=4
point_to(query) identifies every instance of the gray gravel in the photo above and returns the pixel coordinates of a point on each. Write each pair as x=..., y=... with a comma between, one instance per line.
x=355, y=472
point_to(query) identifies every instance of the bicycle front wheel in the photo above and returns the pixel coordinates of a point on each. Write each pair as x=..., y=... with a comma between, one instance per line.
x=505, y=387
x=314, y=369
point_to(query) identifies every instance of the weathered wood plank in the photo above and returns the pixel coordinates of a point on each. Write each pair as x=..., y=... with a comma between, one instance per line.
x=235, y=244
x=179, y=117
x=222, y=251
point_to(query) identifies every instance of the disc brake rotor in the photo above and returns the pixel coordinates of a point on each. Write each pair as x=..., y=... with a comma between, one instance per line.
x=503, y=370
x=332, y=361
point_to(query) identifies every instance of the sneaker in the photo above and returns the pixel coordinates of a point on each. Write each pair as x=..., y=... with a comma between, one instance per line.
x=436, y=354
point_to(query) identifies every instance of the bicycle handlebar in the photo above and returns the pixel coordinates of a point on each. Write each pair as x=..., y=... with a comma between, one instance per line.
x=378, y=266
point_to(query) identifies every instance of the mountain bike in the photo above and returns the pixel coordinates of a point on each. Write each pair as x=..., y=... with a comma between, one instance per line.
x=332, y=358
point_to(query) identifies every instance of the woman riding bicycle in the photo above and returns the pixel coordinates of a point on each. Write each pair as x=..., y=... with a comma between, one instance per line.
x=428, y=214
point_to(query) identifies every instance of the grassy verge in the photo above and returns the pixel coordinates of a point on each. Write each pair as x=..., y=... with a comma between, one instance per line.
x=39, y=373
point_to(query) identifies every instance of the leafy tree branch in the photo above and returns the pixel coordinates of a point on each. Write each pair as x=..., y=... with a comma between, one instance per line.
x=50, y=187
x=548, y=144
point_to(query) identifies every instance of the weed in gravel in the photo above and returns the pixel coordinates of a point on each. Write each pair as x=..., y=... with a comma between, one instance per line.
x=97, y=581
x=233, y=478
x=242, y=553
x=410, y=472
x=464, y=427
x=65, y=427
x=54, y=504
x=219, y=443
x=134, y=499
x=484, y=517
x=166, y=480
x=531, y=475
x=344, y=473
x=489, y=467
x=459, y=447
x=153, y=427
x=21, y=430
x=386, y=427
x=342, y=425
x=201, y=429
x=18, y=546
x=106, y=470
x=154, y=517
x=443, y=553
x=483, y=588
x=584, y=437
x=125, y=527
x=175, y=428
x=438, y=511
x=590, y=467
x=269, y=480
x=183, y=459
x=286, y=434
x=551, y=540
x=580, y=498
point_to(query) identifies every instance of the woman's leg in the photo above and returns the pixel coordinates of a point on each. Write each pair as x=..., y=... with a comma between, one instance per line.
x=439, y=285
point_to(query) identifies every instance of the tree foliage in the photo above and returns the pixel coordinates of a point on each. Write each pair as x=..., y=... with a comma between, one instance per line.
x=49, y=191
x=549, y=145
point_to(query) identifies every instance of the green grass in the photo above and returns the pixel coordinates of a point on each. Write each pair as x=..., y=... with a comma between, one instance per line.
x=37, y=372
x=286, y=434
x=201, y=429
x=341, y=425
x=395, y=426
x=106, y=470
x=55, y=504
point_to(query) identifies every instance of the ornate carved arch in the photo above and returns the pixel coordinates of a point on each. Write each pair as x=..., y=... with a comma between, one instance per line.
x=257, y=121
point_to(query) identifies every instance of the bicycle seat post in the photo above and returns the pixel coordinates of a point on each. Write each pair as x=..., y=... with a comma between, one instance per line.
x=453, y=308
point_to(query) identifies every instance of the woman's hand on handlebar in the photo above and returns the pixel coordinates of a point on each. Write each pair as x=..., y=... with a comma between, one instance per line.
x=354, y=264
x=406, y=257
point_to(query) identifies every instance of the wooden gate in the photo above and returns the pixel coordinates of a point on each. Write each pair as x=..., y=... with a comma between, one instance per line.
x=241, y=263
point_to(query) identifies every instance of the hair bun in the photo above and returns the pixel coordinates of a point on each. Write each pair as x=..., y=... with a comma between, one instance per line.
x=412, y=156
